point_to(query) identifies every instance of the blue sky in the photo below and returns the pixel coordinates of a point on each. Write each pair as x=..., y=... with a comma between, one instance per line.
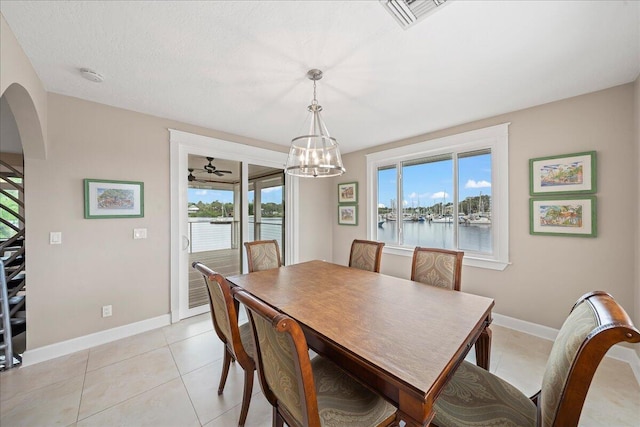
x=272, y=194
x=429, y=183
x=424, y=184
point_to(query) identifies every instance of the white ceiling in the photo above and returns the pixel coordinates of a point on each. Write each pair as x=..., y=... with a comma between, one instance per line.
x=240, y=66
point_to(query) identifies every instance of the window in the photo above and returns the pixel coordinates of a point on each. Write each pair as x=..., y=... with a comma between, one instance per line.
x=449, y=193
x=268, y=220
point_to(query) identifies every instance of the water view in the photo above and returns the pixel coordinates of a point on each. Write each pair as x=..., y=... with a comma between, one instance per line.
x=476, y=238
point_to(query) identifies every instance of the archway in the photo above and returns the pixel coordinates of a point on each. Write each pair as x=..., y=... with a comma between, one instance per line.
x=23, y=137
x=27, y=120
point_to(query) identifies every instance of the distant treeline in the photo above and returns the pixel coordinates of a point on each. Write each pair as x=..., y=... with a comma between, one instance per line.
x=217, y=209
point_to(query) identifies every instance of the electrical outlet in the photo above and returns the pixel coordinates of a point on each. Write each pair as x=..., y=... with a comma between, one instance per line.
x=106, y=311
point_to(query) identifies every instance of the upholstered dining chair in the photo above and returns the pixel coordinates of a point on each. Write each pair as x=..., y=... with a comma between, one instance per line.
x=475, y=397
x=306, y=392
x=263, y=255
x=437, y=267
x=366, y=255
x=238, y=343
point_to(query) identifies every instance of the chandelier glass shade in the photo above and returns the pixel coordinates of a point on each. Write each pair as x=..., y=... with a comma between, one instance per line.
x=315, y=154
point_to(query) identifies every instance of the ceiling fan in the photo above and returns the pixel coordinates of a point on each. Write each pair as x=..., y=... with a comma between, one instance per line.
x=208, y=168
x=212, y=169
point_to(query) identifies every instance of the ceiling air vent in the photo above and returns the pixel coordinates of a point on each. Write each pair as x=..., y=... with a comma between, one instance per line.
x=408, y=12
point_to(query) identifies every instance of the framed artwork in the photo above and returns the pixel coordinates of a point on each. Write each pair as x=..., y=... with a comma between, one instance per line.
x=563, y=216
x=568, y=173
x=113, y=199
x=348, y=192
x=348, y=215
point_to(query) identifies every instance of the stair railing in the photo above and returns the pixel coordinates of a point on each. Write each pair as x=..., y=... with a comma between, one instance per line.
x=5, y=329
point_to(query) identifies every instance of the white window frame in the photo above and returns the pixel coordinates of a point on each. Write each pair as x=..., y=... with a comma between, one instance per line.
x=495, y=138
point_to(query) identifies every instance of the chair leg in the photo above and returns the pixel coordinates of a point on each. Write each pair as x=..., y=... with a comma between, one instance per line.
x=278, y=421
x=225, y=370
x=246, y=396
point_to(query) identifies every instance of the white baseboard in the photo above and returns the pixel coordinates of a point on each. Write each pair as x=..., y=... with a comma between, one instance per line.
x=618, y=352
x=41, y=354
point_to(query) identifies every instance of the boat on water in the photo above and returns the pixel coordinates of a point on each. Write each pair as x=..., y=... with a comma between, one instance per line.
x=478, y=219
x=446, y=219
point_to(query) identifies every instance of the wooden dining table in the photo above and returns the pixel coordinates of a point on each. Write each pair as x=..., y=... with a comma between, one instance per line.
x=402, y=338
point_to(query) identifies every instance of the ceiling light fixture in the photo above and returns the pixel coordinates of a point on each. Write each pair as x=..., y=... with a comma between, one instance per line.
x=315, y=154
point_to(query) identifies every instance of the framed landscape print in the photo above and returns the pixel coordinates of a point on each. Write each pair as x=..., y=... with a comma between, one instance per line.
x=348, y=215
x=563, y=216
x=348, y=192
x=568, y=173
x=113, y=199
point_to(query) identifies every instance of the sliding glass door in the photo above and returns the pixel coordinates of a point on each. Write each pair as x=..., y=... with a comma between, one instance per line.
x=212, y=181
x=266, y=205
x=213, y=221
x=215, y=225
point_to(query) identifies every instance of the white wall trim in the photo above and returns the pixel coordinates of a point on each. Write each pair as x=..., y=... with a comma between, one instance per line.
x=41, y=354
x=617, y=352
x=494, y=137
x=181, y=145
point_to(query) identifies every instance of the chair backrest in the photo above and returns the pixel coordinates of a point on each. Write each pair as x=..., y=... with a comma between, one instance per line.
x=224, y=314
x=282, y=361
x=366, y=255
x=437, y=267
x=596, y=323
x=263, y=255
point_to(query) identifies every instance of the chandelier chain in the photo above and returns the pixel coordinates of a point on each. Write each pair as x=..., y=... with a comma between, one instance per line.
x=315, y=99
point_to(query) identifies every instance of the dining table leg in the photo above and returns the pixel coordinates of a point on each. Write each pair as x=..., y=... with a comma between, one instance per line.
x=483, y=349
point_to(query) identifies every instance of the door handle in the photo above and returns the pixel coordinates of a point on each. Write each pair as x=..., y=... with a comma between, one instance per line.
x=186, y=242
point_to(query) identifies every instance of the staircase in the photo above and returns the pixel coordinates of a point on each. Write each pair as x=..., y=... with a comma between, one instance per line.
x=12, y=273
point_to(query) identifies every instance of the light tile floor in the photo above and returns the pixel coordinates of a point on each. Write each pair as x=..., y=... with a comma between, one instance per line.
x=169, y=377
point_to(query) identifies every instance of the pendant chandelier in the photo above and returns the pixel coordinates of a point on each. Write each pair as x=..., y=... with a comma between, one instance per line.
x=315, y=154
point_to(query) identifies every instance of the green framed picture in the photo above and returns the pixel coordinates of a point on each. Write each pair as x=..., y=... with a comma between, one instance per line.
x=573, y=216
x=569, y=173
x=348, y=192
x=348, y=214
x=113, y=199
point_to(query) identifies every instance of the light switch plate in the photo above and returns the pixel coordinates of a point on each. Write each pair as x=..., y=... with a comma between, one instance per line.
x=55, y=238
x=139, y=233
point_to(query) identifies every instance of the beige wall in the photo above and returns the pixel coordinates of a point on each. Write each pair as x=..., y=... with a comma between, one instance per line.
x=317, y=215
x=98, y=262
x=548, y=274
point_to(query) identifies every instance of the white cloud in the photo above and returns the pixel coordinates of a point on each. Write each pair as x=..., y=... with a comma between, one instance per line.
x=271, y=189
x=440, y=195
x=477, y=184
x=381, y=206
x=405, y=203
x=201, y=192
